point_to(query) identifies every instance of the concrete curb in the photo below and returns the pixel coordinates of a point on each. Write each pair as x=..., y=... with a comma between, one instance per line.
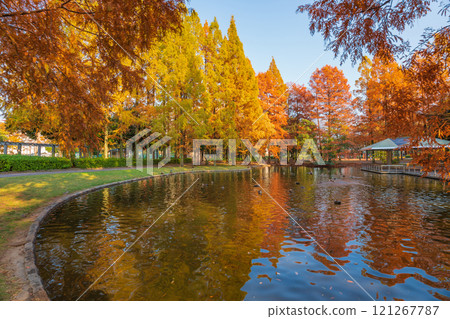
x=36, y=287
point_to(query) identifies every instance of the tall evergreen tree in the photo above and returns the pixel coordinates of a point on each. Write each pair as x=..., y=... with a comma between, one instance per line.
x=241, y=89
x=182, y=91
x=273, y=97
x=220, y=122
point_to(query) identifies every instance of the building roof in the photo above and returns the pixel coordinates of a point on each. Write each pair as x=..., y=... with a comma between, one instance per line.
x=397, y=143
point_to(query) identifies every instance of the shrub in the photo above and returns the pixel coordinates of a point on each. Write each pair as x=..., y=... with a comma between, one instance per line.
x=99, y=162
x=5, y=165
x=172, y=161
x=177, y=161
x=35, y=163
x=32, y=163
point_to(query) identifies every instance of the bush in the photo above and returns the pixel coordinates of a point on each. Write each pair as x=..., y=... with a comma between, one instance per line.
x=32, y=163
x=35, y=163
x=172, y=161
x=5, y=165
x=99, y=162
x=177, y=161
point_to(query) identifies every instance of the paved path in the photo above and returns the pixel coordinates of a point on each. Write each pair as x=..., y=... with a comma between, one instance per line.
x=60, y=171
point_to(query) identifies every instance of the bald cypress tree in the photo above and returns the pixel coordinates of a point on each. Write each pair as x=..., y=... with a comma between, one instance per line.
x=182, y=93
x=220, y=119
x=240, y=89
x=273, y=97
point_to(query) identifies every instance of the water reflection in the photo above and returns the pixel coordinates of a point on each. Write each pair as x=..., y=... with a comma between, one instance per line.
x=225, y=241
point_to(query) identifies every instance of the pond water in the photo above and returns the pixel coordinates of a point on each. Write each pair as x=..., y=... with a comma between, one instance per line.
x=224, y=241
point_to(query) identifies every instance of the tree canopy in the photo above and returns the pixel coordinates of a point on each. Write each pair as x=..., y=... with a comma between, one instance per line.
x=411, y=99
x=353, y=29
x=61, y=61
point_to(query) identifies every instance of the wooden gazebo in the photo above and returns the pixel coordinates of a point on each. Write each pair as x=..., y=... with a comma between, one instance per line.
x=389, y=145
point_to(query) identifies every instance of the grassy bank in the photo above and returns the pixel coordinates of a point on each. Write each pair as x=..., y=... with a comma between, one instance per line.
x=20, y=196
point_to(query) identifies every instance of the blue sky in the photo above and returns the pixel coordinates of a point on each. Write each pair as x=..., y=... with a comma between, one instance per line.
x=272, y=28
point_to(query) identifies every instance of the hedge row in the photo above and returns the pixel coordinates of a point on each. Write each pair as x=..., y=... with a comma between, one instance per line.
x=36, y=163
x=99, y=162
x=32, y=163
x=176, y=161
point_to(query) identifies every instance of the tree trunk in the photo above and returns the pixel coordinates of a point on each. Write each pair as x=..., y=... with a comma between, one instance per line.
x=182, y=156
x=121, y=146
x=105, y=146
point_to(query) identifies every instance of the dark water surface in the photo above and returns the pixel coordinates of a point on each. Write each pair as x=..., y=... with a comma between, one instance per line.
x=225, y=241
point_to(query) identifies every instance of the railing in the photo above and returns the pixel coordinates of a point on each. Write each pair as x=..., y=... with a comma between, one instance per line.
x=20, y=145
x=389, y=169
x=416, y=171
x=399, y=169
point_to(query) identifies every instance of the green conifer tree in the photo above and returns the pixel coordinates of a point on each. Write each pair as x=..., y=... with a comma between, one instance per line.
x=240, y=89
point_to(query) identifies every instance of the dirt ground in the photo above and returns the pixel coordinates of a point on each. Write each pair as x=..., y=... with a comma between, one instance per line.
x=13, y=267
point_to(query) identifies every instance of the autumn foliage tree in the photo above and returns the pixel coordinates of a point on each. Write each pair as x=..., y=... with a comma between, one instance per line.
x=60, y=60
x=220, y=121
x=198, y=84
x=273, y=97
x=300, y=113
x=182, y=92
x=332, y=109
x=410, y=101
x=241, y=91
x=380, y=89
x=428, y=106
x=355, y=28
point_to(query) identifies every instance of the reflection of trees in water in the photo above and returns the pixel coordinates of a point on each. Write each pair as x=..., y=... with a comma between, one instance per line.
x=273, y=221
x=203, y=248
x=400, y=234
x=388, y=214
x=313, y=208
x=333, y=226
x=200, y=250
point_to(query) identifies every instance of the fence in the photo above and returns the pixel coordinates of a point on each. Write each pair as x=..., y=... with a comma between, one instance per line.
x=399, y=169
x=20, y=145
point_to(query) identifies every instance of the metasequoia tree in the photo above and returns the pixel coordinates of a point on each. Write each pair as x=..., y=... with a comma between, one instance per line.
x=354, y=28
x=333, y=113
x=273, y=97
x=220, y=122
x=240, y=93
x=60, y=61
x=300, y=113
x=378, y=92
x=429, y=108
x=411, y=101
x=180, y=73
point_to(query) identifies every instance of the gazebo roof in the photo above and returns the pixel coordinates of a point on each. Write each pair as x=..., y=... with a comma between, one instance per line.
x=385, y=145
x=393, y=144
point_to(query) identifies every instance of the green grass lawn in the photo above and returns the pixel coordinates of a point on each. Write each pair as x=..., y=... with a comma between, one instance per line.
x=19, y=196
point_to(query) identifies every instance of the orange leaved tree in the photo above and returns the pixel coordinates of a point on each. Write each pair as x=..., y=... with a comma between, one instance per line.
x=61, y=61
x=333, y=109
x=300, y=113
x=353, y=29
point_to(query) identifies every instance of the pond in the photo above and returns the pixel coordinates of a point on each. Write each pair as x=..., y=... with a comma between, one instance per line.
x=226, y=239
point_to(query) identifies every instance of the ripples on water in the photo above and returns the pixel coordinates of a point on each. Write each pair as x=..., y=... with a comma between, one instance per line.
x=224, y=241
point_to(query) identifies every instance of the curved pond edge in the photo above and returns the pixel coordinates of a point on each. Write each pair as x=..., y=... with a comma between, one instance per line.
x=35, y=287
